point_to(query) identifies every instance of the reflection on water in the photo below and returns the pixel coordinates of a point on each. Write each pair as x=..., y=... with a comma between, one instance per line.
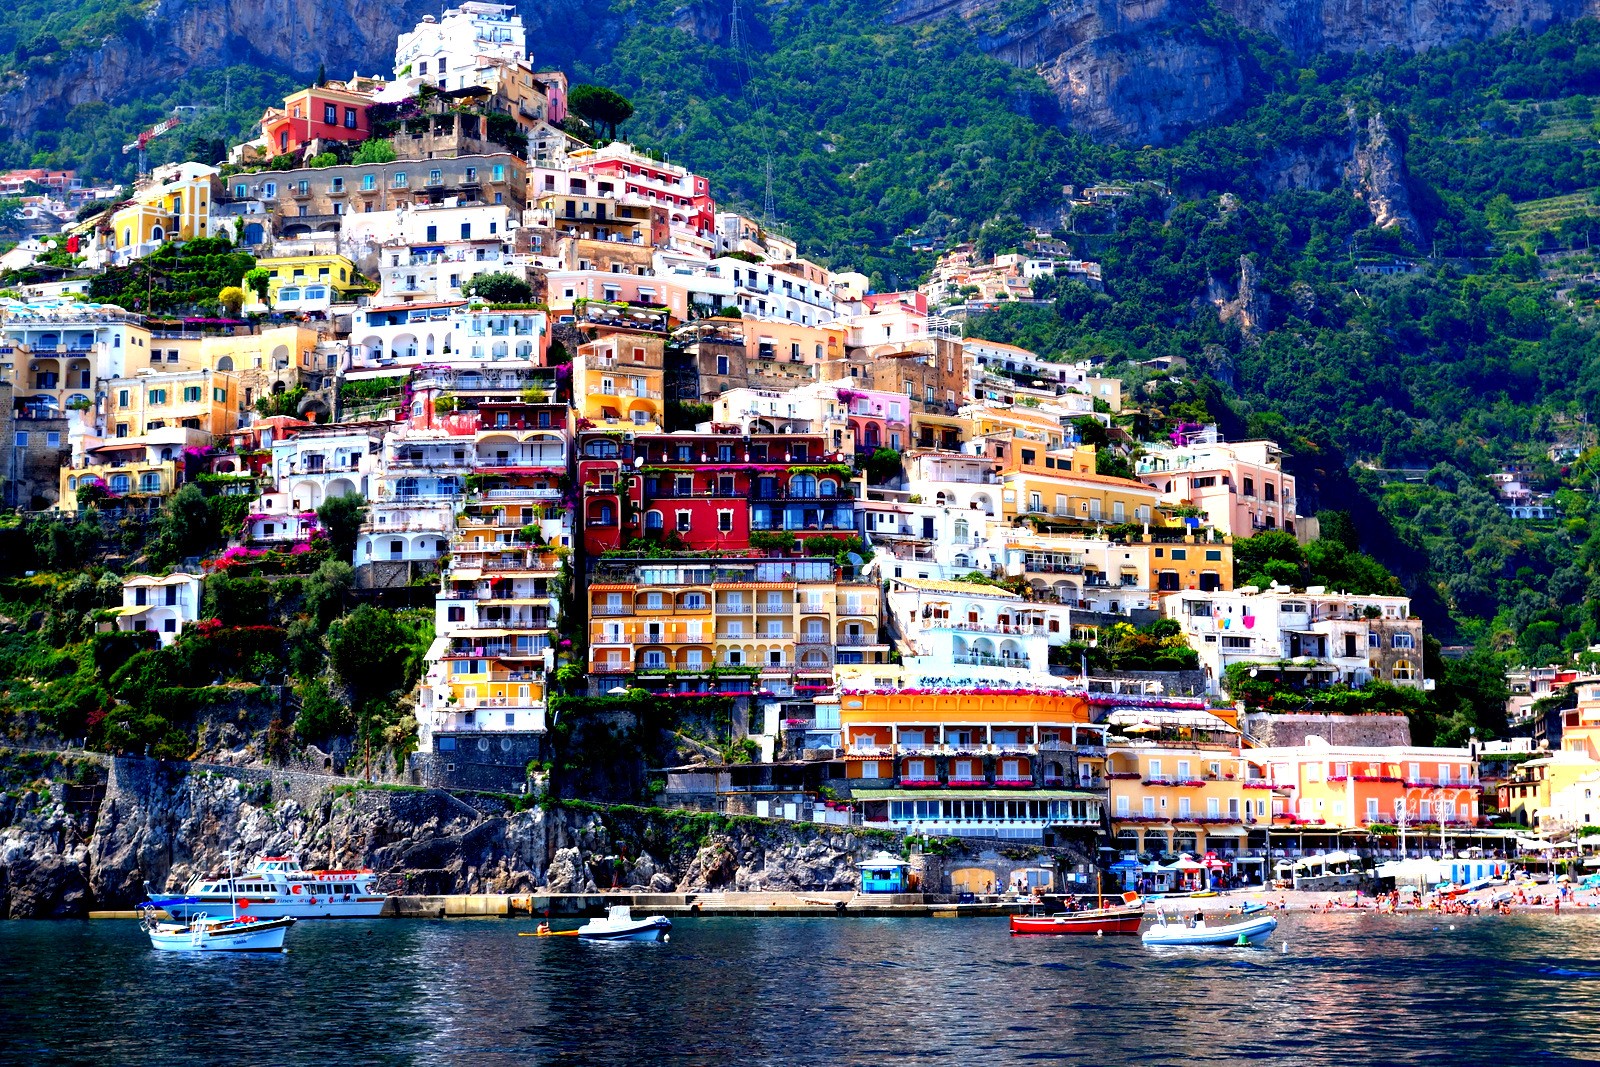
x=1359, y=989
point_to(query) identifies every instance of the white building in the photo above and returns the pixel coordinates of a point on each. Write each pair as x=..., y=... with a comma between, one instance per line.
x=1312, y=635
x=165, y=605
x=320, y=463
x=458, y=50
x=982, y=631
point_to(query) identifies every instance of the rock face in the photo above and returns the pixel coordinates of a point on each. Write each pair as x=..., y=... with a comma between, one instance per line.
x=1148, y=70
x=1377, y=172
x=161, y=825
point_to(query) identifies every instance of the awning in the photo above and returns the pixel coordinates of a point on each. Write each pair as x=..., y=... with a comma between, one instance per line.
x=1194, y=719
x=137, y=610
x=971, y=794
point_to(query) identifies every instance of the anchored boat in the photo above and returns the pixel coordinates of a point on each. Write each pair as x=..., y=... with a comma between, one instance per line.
x=620, y=925
x=243, y=933
x=1113, y=920
x=1249, y=931
x=277, y=887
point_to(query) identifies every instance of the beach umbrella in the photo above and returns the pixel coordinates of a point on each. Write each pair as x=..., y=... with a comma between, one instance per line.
x=1141, y=728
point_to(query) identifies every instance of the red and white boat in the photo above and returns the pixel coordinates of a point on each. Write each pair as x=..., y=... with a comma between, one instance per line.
x=277, y=887
x=1112, y=920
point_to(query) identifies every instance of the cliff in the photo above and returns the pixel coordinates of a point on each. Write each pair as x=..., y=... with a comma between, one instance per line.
x=1149, y=70
x=67, y=848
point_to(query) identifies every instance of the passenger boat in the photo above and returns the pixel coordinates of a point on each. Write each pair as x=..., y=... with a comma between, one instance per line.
x=1248, y=931
x=620, y=925
x=276, y=887
x=242, y=933
x=1102, y=920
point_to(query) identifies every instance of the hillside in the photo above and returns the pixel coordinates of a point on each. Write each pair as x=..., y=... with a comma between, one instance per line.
x=888, y=131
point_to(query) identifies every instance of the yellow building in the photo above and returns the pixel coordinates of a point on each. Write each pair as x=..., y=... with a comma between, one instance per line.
x=174, y=206
x=1175, y=782
x=194, y=399
x=617, y=379
x=784, y=621
x=1557, y=791
x=137, y=471
x=338, y=273
x=1138, y=570
x=261, y=362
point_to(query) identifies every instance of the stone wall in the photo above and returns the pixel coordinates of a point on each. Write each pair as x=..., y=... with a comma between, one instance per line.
x=1282, y=731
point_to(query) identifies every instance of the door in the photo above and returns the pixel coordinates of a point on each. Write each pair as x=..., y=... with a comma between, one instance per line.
x=927, y=527
x=1350, y=646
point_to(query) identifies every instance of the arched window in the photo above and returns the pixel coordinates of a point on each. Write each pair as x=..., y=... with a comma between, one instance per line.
x=803, y=485
x=961, y=531
x=156, y=233
x=827, y=487
x=225, y=363
x=653, y=520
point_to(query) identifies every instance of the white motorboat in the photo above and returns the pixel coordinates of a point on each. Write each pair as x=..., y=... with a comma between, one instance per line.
x=620, y=925
x=1250, y=931
x=275, y=887
x=244, y=933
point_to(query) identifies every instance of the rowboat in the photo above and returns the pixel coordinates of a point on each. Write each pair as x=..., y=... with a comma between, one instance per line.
x=1249, y=931
x=1113, y=920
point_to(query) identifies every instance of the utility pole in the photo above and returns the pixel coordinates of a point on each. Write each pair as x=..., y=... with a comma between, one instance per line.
x=767, y=210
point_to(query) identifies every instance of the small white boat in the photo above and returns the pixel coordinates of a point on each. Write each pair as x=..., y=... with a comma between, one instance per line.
x=1250, y=931
x=620, y=925
x=244, y=933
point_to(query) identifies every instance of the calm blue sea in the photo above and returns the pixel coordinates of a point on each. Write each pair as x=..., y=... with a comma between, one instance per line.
x=1350, y=990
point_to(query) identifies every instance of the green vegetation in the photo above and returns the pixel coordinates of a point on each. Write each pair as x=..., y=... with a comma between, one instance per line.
x=498, y=288
x=174, y=277
x=1159, y=646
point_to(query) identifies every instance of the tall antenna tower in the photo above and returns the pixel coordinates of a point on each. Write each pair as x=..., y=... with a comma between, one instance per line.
x=735, y=37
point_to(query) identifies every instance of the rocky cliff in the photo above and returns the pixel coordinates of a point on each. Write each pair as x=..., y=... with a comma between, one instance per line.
x=1148, y=70
x=66, y=848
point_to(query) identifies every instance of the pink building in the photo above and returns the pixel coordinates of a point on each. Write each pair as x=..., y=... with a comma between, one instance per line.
x=1240, y=488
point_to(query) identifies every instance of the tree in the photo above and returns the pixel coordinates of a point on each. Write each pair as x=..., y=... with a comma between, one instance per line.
x=375, y=150
x=321, y=715
x=259, y=280
x=341, y=518
x=326, y=589
x=498, y=287
x=600, y=106
x=231, y=298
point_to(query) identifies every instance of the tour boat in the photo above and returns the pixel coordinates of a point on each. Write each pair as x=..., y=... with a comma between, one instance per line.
x=1249, y=931
x=242, y=933
x=620, y=925
x=1123, y=920
x=276, y=887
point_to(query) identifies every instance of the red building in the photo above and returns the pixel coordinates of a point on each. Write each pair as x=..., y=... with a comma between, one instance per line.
x=321, y=113
x=708, y=491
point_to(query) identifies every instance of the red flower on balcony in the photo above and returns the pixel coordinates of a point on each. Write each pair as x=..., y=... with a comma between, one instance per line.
x=1014, y=783
x=919, y=783
x=968, y=783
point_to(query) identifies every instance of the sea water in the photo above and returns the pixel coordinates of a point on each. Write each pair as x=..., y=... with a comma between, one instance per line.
x=1351, y=989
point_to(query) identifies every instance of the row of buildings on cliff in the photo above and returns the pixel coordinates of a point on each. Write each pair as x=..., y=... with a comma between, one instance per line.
x=648, y=450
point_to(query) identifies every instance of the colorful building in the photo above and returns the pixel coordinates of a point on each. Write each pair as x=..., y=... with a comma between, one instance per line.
x=1018, y=765
x=617, y=379
x=1175, y=783
x=1240, y=488
x=175, y=205
x=321, y=114
x=1347, y=787
x=733, y=624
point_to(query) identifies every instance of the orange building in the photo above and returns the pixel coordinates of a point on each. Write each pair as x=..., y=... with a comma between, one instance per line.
x=321, y=113
x=1026, y=765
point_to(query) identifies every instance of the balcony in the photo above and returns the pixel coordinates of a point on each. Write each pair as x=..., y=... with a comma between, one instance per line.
x=978, y=659
x=852, y=641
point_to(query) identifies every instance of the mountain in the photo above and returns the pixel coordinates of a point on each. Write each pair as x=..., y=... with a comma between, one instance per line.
x=1139, y=70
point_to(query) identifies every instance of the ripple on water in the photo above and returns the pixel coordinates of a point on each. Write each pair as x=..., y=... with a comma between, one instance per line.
x=807, y=991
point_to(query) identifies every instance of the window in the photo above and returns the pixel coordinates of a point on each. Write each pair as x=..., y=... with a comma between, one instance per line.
x=330, y=114
x=191, y=394
x=435, y=177
x=157, y=396
x=349, y=118
x=1402, y=641
x=725, y=521
x=683, y=521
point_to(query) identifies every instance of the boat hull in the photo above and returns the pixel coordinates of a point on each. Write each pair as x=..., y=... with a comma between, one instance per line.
x=655, y=928
x=185, y=908
x=1253, y=932
x=264, y=936
x=1090, y=923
